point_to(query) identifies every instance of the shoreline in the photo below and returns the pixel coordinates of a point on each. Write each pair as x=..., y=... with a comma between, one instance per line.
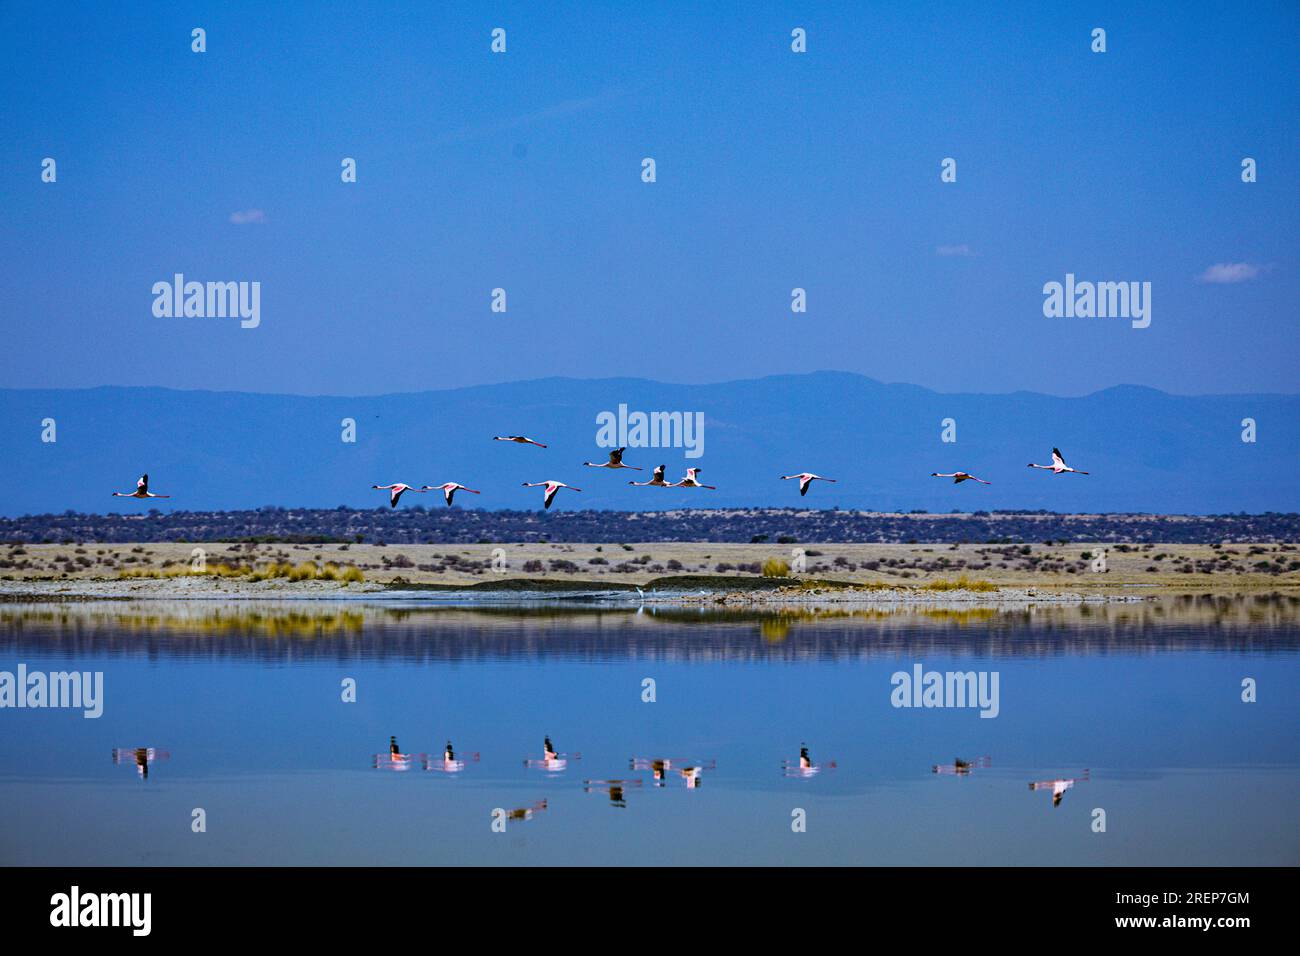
x=681, y=573
x=785, y=594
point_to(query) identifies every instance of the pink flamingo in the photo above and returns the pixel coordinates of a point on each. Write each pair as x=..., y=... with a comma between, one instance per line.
x=615, y=461
x=1058, y=465
x=141, y=490
x=656, y=481
x=518, y=439
x=396, y=491
x=692, y=480
x=551, y=488
x=449, y=490
x=958, y=477
x=806, y=478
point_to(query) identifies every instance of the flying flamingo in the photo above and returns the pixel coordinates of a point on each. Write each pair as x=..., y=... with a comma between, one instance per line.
x=520, y=439
x=396, y=491
x=958, y=477
x=1058, y=466
x=615, y=461
x=806, y=478
x=448, y=490
x=141, y=490
x=551, y=488
x=692, y=480
x=657, y=481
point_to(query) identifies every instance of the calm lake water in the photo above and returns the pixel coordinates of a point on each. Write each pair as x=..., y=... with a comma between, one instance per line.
x=241, y=702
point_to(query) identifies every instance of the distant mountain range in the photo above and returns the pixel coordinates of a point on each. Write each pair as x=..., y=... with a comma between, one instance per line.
x=782, y=526
x=1147, y=451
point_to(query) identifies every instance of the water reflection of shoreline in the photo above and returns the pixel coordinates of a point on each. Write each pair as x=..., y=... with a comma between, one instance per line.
x=289, y=630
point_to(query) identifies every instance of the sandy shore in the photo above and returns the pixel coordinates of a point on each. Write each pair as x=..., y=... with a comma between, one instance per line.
x=680, y=572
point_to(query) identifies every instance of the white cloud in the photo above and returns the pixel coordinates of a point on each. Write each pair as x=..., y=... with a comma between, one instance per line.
x=1226, y=272
x=962, y=250
x=245, y=216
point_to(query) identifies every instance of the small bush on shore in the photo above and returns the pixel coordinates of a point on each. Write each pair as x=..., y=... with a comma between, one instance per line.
x=307, y=571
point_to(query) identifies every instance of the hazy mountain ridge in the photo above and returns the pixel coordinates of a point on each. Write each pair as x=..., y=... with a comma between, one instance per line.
x=1148, y=451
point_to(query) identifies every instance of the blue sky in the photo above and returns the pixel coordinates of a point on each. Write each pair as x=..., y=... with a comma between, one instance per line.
x=522, y=171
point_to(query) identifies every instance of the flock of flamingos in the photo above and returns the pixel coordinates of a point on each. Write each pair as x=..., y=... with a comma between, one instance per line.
x=552, y=487
x=555, y=763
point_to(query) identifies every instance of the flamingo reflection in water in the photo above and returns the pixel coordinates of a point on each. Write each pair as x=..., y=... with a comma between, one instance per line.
x=526, y=813
x=659, y=768
x=393, y=760
x=805, y=767
x=448, y=762
x=1059, y=786
x=140, y=757
x=959, y=767
x=614, y=788
x=552, y=761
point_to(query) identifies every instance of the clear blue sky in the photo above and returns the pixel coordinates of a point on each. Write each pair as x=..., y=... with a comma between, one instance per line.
x=775, y=170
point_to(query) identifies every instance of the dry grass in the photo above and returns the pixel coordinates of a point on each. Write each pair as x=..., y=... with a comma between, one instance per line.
x=963, y=583
x=304, y=571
